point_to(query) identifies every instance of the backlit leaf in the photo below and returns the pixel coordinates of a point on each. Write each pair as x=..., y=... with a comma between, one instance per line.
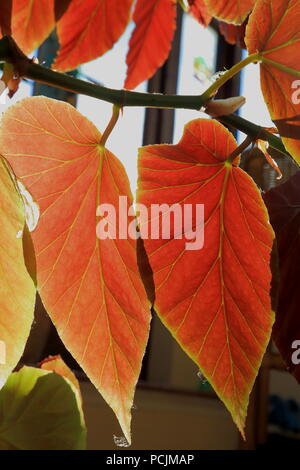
x=5, y=17
x=17, y=291
x=273, y=31
x=39, y=410
x=91, y=288
x=57, y=365
x=199, y=11
x=32, y=22
x=283, y=203
x=88, y=29
x=151, y=40
x=231, y=11
x=234, y=34
x=215, y=300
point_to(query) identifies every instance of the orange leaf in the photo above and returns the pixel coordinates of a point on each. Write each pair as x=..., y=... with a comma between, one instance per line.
x=199, y=11
x=57, y=365
x=151, y=40
x=231, y=11
x=32, y=22
x=91, y=288
x=233, y=34
x=215, y=300
x=273, y=31
x=17, y=291
x=88, y=29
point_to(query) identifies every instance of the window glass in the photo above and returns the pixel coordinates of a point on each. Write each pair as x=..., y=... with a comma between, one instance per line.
x=254, y=109
x=198, y=47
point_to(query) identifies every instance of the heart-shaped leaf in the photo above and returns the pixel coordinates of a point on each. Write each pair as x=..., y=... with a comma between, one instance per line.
x=214, y=300
x=90, y=287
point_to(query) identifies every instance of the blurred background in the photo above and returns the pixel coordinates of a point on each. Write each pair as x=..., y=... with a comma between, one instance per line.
x=175, y=406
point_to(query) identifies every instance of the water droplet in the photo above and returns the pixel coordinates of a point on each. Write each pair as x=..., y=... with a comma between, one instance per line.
x=134, y=407
x=19, y=234
x=121, y=441
x=201, y=377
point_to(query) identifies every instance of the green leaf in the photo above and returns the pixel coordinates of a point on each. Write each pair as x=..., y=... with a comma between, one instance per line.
x=40, y=410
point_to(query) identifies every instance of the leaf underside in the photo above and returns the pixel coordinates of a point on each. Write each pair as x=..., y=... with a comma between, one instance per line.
x=273, y=30
x=231, y=11
x=199, y=11
x=215, y=301
x=91, y=288
x=151, y=40
x=88, y=29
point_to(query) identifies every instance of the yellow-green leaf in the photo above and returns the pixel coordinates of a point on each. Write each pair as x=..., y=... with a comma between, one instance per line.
x=17, y=291
x=40, y=410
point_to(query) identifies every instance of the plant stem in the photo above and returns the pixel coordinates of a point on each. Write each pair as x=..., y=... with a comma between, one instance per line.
x=254, y=131
x=211, y=91
x=110, y=126
x=10, y=53
x=121, y=98
x=239, y=149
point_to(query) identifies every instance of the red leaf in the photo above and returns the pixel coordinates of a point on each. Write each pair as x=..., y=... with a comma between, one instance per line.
x=231, y=11
x=151, y=40
x=32, y=22
x=88, y=29
x=283, y=203
x=273, y=31
x=234, y=34
x=91, y=288
x=199, y=11
x=215, y=301
x=5, y=17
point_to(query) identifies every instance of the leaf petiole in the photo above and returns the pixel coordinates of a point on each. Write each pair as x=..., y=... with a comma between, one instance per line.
x=110, y=127
x=213, y=89
x=248, y=141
